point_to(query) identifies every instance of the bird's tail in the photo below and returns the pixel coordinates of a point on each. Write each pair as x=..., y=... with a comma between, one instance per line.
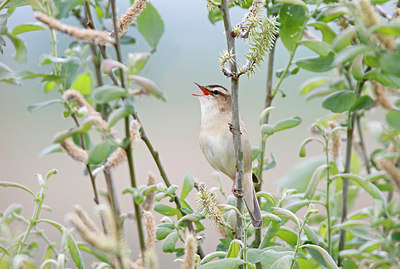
x=254, y=209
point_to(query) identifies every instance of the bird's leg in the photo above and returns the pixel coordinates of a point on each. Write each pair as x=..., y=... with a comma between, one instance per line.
x=232, y=128
x=238, y=193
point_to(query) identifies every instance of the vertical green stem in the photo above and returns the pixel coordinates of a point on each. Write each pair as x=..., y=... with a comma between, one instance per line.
x=298, y=244
x=128, y=149
x=33, y=221
x=328, y=202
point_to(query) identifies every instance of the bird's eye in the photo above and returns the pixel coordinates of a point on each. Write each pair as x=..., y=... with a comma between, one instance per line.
x=215, y=92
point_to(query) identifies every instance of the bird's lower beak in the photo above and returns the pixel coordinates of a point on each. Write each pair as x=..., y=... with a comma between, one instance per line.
x=204, y=90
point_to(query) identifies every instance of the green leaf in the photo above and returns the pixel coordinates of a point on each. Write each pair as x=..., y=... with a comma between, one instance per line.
x=292, y=21
x=313, y=83
x=74, y=251
x=83, y=84
x=49, y=86
x=150, y=25
x=28, y=27
x=212, y=256
x=357, y=69
x=234, y=249
x=393, y=119
x=316, y=177
x=69, y=69
x=388, y=80
x=120, y=113
x=149, y=86
x=350, y=52
x=300, y=175
x=332, y=13
x=328, y=35
x=364, y=102
x=386, y=29
x=20, y=48
x=227, y=263
x=36, y=107
x=101, y=151
x=320, y=47
x=327, y=258
x=317, y=64
x=17, y=185
x=339, y=101
x=188, y=185
x=270, y=256
x=169, y=243
x=166, y=210
x=214, y=15
x=47, y=256
x=162, y=232
x=311, y=234
x=283, y=262
x=287, y=235
x=50, y=149
x=389, y=63
x=136, y=61
x=107, y=93
x=283, y=212
x=344, y=38
x=293, y=2
x=287, y=123
x=15, y=3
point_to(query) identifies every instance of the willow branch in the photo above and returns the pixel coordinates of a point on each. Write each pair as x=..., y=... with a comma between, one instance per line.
x=237, y=142
x=128, y=148
x=163, y=174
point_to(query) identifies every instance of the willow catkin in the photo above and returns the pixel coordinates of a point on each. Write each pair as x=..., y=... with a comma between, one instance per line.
x=74, y=151
x=130, y=15
x=150, y=227
x=149, y=199
x=381, y=95
x=190, y=252
x=79, y=99
x=390, y=168
x=369, y=18
x=89, y=35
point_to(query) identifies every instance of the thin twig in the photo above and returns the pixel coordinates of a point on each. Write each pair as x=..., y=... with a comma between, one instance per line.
x=237, y=142
x=163, y=175
x=362, y=144
x=128, y=148
x=347, y=168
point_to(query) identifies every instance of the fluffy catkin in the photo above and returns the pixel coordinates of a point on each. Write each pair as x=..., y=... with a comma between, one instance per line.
x=74, y=151
x=381, y=95
x=130, y=15
x=208, y=205
x=79, y=99
x=390, y=168
x=97, y=240
x=119, y=155
x=148, y=202
x=89, y=35
x=150, y=227
x=335, y=144
x=370, y=18
x=190, y=252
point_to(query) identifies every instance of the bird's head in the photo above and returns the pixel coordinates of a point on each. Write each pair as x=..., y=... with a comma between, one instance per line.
x=214, y=97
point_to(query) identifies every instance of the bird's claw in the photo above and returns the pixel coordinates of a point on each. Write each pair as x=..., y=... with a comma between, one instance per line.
x=237, y=193
x=232, y=128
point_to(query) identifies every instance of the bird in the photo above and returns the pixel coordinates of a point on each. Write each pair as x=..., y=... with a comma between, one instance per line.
x=216, y=143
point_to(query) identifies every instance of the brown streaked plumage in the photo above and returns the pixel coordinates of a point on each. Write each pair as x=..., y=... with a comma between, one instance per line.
x=216, y=143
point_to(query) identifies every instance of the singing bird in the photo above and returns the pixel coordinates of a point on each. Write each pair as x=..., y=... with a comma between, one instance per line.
x=216, y=143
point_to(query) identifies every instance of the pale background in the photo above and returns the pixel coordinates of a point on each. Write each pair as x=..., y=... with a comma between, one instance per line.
x=188, y=52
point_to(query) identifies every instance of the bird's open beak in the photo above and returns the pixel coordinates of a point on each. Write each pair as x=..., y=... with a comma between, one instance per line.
x=204, y=90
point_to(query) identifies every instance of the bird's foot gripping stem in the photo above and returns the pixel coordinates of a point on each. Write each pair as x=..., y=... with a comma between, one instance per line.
x=237, y=192
x=232, y=128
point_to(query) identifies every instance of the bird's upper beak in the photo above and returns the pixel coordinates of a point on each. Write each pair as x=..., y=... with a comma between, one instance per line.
x=203, y=89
